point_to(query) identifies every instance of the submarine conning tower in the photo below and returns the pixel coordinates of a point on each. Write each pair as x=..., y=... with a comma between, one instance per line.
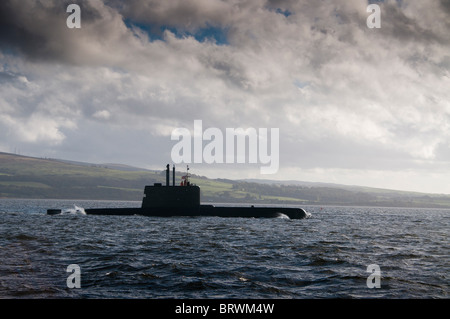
x=185, y=195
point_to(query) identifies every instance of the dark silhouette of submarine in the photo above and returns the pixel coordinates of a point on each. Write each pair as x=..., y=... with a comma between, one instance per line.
x=184, y=200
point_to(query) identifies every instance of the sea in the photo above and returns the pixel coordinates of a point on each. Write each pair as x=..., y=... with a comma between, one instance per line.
x=337, y=252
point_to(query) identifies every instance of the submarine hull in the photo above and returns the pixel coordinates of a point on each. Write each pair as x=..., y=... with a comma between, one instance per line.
x=203, y=210
x=184, y=200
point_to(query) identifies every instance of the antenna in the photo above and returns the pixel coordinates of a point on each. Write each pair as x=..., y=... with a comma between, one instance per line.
x=187, y=176
x=167, y=175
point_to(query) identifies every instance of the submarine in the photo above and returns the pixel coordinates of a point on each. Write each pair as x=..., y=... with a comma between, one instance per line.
x=184, y=200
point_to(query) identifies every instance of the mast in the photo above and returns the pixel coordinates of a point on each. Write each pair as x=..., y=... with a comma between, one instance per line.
x=167, y=174
x=187, y=176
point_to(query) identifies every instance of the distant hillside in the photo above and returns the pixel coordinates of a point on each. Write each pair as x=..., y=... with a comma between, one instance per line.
x=29, y=177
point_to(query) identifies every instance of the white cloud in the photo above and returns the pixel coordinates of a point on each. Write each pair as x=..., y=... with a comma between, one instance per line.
x=102, y=115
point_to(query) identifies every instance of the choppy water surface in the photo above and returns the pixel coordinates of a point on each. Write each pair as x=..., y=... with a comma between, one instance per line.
x=325, y=256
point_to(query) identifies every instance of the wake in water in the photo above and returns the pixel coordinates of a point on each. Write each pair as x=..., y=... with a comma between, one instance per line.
x=284, y=216
x=74, y=211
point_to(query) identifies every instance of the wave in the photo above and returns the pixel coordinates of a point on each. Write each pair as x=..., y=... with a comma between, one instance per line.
x=76, y=210
x=282, y=216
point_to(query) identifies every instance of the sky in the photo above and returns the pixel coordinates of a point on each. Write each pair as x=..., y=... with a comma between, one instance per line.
x=353, y=105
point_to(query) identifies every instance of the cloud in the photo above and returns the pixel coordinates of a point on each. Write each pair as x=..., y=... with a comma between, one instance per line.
x=102, y=115
x=344, y=96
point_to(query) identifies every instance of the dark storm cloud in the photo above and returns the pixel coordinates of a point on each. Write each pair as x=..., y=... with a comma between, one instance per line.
x=38, y=29
x=445, y=5
x=189, y=15
x=406, y=29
